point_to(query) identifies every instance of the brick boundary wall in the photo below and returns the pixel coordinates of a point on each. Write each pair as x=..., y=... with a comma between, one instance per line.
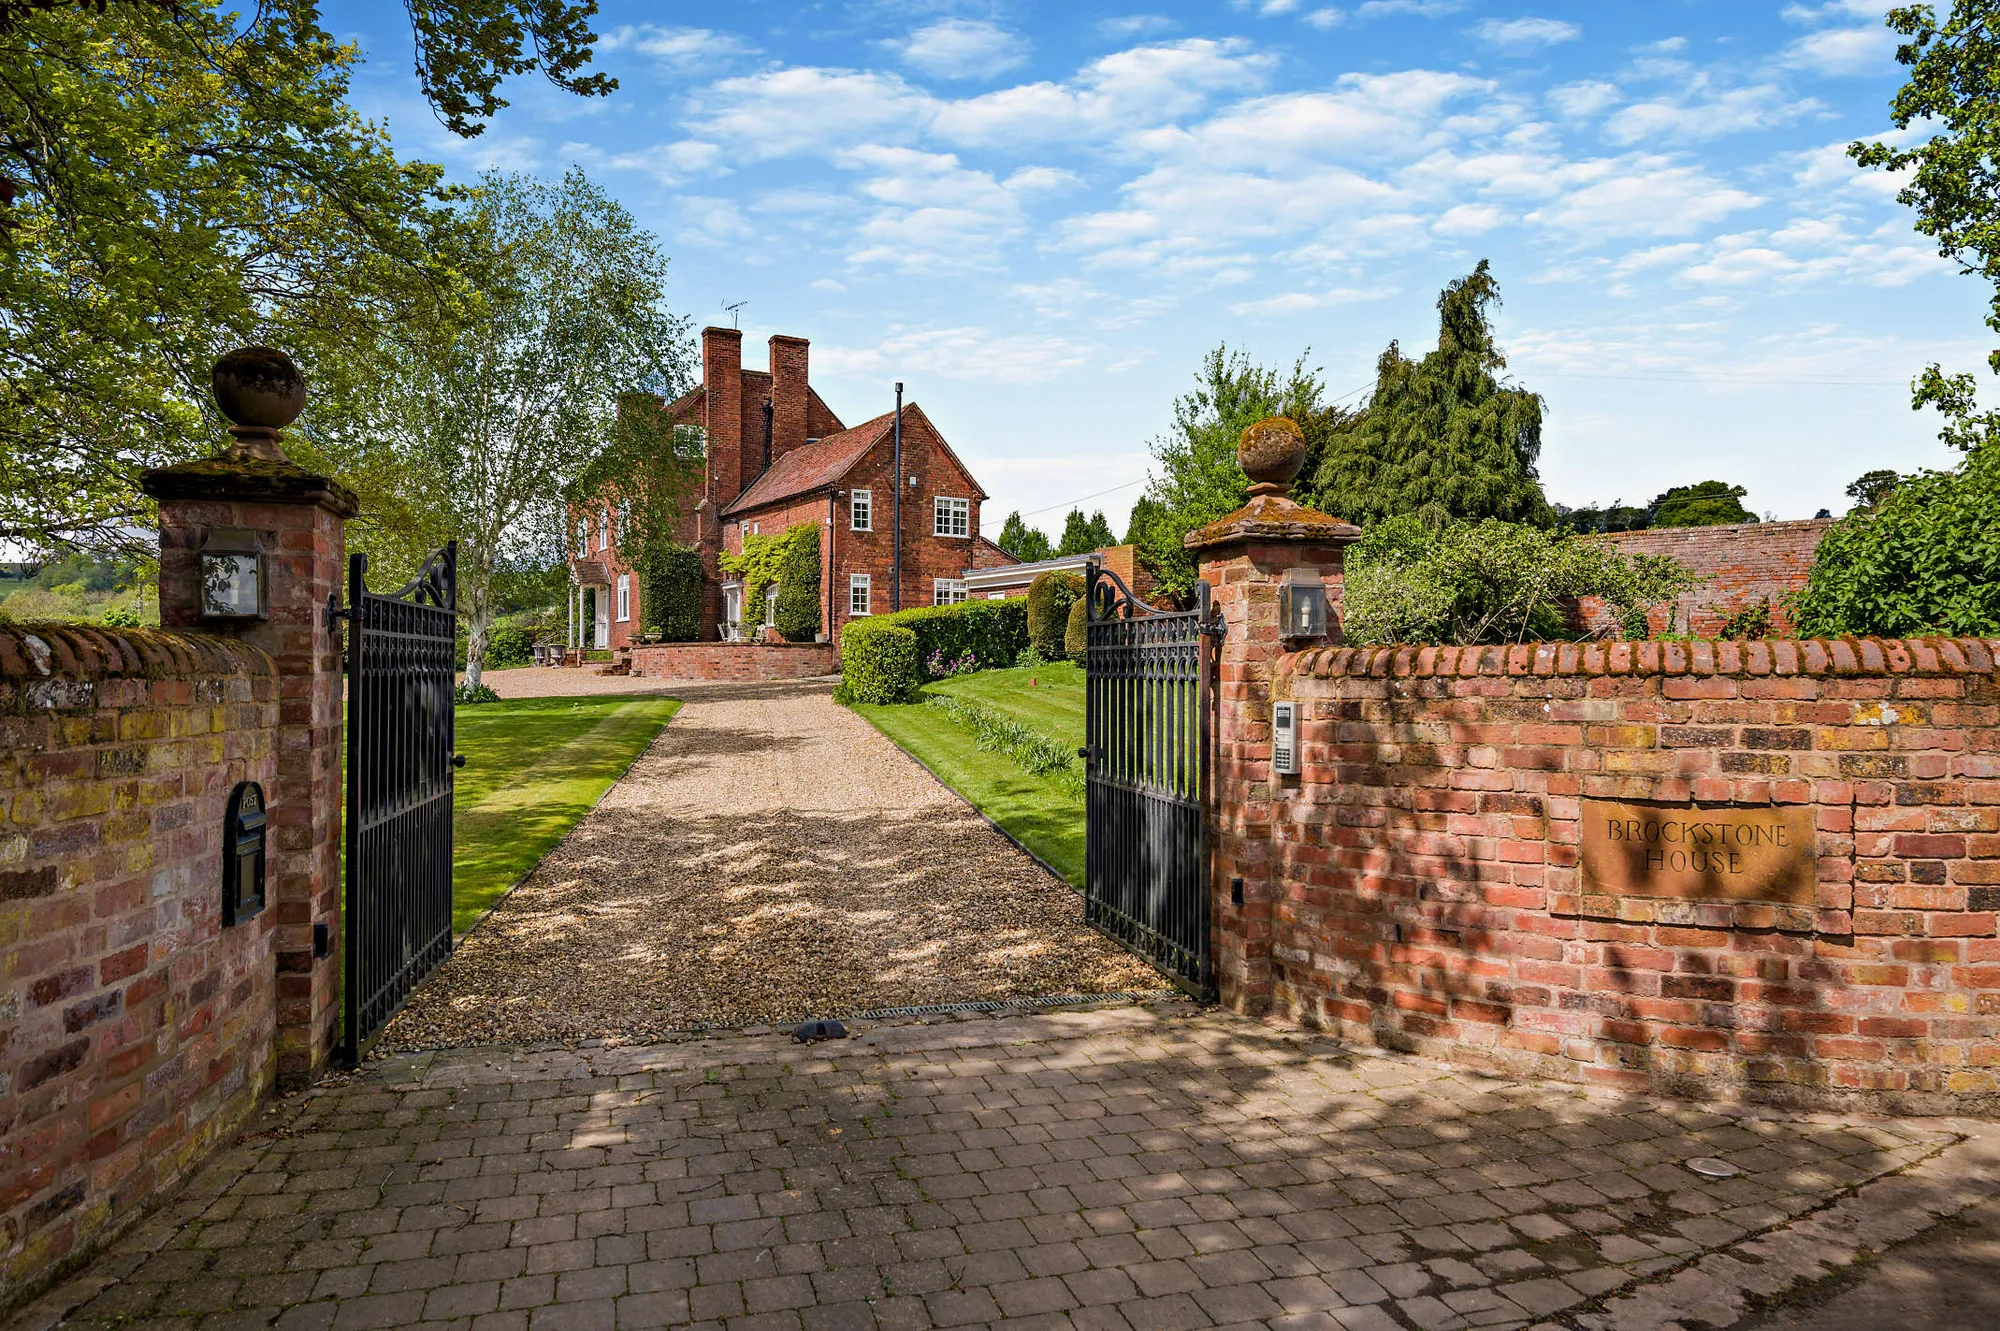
x=138, y=1032
x=1745, y=562
x=1425, y=880
x=735, y=662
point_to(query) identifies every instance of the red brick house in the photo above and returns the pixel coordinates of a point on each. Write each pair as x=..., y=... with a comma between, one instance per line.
x=776, y=456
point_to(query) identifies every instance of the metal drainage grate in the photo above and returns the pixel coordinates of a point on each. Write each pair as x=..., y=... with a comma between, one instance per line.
x=1014, y=1004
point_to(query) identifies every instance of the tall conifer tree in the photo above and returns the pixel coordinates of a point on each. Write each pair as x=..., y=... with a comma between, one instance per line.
x=1442, y=434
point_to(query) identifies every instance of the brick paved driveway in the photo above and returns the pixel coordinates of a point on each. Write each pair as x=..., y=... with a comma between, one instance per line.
x=1145, y=1167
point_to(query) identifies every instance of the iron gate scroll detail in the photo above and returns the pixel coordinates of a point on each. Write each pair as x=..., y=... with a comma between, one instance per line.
x=1149, y=731
x=401, y=674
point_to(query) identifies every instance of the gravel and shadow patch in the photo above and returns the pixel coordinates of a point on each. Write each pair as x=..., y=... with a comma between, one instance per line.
x=770, y=857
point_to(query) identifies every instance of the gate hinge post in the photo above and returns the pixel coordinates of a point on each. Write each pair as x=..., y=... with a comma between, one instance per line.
x=335, y=612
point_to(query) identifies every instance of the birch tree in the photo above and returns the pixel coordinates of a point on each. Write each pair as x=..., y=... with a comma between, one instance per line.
x=507, y=392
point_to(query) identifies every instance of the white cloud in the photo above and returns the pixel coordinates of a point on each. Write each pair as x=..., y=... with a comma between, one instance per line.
x=1810, y=251
x=683, y=50
x=1135, y=25
x=957, y=48
x=1272, y=8
x=1146, y=85
x=1701, y=112
x=786, y=111
x=1521, y=35
x=1468, y=219
x=711, y=222
x=1836, y=10
x=971, y=354
x=1829, y=168
x=668, y=163
x=1304, y=302
x=1639, y=196
x=1041, y=178
x=933, y=214
x=1421, y=8
x=1844, y=51
x=1580, y=101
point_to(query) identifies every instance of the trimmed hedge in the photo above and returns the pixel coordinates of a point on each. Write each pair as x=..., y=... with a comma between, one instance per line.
x=1076, y=637
x=879, y=663
x=991, y=632
x=1049, y=599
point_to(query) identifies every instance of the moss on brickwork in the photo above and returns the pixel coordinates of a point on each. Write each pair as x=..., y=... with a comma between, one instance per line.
x=73, y=651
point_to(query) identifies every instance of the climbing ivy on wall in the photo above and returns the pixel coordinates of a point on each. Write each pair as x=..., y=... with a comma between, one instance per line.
x=763, y=562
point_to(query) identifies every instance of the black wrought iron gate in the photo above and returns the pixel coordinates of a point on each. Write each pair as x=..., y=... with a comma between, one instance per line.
x=1148, y=730
x=401, y=673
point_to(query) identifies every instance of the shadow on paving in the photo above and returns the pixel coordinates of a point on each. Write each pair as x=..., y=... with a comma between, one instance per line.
x=644, y=924
x=1947, y=1278
x=1157, y=1166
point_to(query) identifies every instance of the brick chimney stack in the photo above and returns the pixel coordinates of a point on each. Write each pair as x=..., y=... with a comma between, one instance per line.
x=722, y=377
x=788, y=394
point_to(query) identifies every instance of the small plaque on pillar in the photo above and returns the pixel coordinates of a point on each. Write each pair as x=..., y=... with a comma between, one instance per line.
x=1739, y=853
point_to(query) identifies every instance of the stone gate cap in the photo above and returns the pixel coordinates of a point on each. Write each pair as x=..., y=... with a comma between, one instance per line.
x=1271, y=453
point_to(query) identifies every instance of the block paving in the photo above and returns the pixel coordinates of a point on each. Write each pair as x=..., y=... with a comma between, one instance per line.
x=1147, y=1167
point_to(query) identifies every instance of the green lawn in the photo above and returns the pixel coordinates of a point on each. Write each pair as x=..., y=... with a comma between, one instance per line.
x=533, y=768
x=1044, y=815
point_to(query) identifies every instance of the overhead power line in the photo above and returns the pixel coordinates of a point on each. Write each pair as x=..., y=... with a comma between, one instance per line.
x=1067, y=503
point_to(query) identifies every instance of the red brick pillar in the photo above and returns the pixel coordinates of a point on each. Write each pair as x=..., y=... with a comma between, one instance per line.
x=254, y=496
x=1242, y=557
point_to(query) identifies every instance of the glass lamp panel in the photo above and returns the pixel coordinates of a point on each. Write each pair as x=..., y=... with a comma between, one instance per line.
x=228, y=584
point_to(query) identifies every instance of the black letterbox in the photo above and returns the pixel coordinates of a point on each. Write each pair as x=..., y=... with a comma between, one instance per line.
x=243, y=853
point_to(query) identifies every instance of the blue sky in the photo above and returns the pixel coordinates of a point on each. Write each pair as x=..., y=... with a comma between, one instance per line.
x=1040, y=216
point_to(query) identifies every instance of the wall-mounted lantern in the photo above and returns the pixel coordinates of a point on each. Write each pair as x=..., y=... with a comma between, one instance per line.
x=232, y=575
x=1301, y=604
x=243, y=853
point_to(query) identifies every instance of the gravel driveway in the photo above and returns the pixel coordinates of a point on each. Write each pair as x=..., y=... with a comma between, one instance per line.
x=770, y=857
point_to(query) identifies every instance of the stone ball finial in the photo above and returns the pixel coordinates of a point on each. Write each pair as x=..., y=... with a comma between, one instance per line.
x=1271, y=452
x=259, y=387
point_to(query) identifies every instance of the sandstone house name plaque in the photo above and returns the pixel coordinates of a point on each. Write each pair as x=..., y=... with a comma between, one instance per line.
x=1742, y=853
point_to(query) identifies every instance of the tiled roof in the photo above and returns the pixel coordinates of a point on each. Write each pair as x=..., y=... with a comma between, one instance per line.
x=812, y=466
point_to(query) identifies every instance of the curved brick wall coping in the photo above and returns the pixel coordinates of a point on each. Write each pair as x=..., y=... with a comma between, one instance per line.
x=78, y=651
x=1811, y=656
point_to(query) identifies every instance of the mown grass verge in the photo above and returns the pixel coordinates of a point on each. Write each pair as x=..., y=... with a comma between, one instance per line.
x=534, y=767
x=1041, y=810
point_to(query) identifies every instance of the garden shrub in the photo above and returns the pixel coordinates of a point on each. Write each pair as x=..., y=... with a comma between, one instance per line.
x=798, y=585
x=509, y=645
x=1752, y=621
x=471, y=695
x=1076, y=636
x=878, y=663
x=1028, y=658
x=670, y=592
x=1458, y=582
x=992, y=633
x=119, y=617
x=1049, y=599
x=1926, y=562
